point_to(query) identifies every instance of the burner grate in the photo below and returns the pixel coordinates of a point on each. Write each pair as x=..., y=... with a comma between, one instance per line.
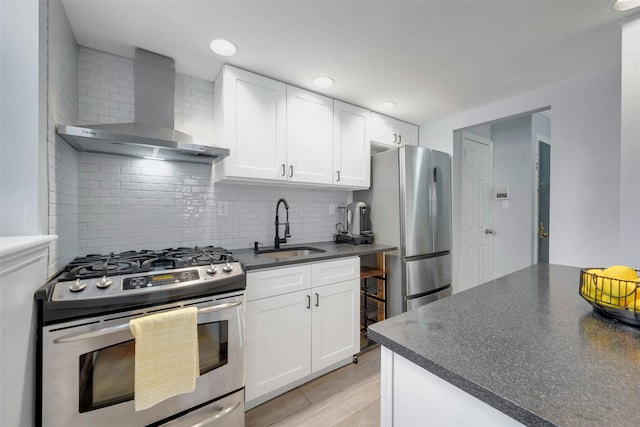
x=95, y=265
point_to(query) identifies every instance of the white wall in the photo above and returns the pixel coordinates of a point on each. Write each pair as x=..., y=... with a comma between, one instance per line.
x=586, y=141
x=630, y=145
x=62, y=108
x=512, y=166
x=22, y=155
x=483, y=131
x=22, y=200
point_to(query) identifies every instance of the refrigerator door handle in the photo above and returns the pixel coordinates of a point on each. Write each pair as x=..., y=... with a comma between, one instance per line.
x=434, y=205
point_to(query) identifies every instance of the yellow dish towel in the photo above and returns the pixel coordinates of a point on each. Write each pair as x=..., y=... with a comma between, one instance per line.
x=166, y=358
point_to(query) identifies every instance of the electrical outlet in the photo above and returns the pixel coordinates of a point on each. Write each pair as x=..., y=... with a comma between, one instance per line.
x=222, y=208
x=332, y=209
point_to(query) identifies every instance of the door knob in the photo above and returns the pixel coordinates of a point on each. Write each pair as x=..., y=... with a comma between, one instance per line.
x=488, y=231
x=541, y=233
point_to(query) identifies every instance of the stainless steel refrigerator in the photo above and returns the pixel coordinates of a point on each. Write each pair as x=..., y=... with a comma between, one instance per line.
x=410, y=207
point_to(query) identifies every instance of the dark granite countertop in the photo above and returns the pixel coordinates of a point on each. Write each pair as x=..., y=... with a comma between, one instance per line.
x=332, y=250
x=528, y=345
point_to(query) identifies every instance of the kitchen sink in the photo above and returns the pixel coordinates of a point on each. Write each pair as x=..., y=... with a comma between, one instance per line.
x=290, y=252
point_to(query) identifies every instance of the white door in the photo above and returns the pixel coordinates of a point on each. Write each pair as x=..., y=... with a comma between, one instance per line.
x=351, y=150
x=254, y=118
x=334, y=323
x=476, y=211
x=309, y=137
x=278, y=343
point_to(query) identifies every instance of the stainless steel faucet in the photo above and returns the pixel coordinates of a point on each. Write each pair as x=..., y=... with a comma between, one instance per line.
x=277, y=240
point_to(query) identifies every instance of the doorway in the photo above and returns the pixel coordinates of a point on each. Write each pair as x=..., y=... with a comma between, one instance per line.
x=543, y=180
x=517, y=201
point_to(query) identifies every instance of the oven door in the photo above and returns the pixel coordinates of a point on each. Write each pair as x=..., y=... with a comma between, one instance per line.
x=88, y=365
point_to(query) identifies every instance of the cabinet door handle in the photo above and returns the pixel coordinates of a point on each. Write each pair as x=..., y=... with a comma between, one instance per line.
x=308, y=301
x=291, y=171
x=399, y=139
x=283, y=167
x=338, y=180
x=395, y=138
x=317, y=300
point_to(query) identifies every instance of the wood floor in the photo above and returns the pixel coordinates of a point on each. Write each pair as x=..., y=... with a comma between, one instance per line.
x=349, y=396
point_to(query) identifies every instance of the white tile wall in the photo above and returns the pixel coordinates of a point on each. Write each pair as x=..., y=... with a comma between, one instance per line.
x=124, y=203
x=129, y=204
x=105, y=88
x=194, y=107
x=251, y=214
x=62, y=107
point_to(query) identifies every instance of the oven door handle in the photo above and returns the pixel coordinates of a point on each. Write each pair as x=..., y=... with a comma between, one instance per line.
x=220, y=412
x=125, y=326
x=218, y=307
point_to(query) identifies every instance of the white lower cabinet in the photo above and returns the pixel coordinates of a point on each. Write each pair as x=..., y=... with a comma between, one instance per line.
x=294, y=334
x=334, y=323
x=278, y=342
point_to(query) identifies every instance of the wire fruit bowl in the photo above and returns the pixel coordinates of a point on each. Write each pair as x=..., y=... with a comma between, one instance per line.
x=612, y=297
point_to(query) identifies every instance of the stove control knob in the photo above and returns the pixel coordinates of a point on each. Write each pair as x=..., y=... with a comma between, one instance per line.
x=104, y=282
x=212, y=270
x=227, y=267
x=77, y=286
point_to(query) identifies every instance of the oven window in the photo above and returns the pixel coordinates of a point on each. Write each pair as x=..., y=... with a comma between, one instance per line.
x=107, y=374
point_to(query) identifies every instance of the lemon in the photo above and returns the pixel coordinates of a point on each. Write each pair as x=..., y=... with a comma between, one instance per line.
x=633, y=298
x=620, y=272
x=590, y=282
x=619, y=284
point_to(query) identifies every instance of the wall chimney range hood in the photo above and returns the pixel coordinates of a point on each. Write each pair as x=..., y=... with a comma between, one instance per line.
x=152, y=135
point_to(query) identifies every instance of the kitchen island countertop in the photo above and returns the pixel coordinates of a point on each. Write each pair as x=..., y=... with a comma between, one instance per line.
x=528, y=345
x=251, y=261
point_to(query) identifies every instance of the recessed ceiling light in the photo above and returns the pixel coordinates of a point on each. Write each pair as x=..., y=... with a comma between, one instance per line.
x=223, y=47
x=323, y=82
x=626, y=4
x=387, y=105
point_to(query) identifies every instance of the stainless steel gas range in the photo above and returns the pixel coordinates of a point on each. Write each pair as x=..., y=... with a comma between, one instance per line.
x=86, y=350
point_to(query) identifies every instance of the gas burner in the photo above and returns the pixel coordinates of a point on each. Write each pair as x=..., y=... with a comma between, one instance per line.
x=96, y=265
x=101, y=268
x=162, y=263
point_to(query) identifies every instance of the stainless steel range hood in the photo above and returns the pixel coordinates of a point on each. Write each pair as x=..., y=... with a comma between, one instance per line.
x=152, y=135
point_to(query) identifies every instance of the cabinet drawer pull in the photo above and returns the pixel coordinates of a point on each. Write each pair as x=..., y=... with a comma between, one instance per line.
x=283, y=167
x=291, y=171
x=317, y=300
x=308, y=301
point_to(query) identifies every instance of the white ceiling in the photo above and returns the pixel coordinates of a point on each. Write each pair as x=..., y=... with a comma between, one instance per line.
x=433, y=58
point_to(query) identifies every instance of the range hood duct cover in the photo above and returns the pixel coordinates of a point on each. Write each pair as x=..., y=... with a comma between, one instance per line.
x=152, y=135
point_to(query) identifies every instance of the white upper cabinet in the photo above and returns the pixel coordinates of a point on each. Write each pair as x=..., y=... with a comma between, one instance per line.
x=389, y=132
x=250, y=118
x=309, y=137
x=281, y=133
x=351, y=146
x=407, y=133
